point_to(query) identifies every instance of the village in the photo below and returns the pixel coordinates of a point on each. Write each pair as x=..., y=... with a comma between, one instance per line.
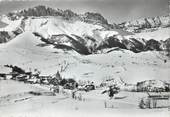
x=155, y=96
x=19, y=74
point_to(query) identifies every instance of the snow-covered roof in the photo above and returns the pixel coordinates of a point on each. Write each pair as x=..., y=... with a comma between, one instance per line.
x=4, y=70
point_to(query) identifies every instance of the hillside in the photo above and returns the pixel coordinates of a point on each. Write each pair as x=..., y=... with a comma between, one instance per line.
x=87, y=50
x=160, y=34
x=26, y=52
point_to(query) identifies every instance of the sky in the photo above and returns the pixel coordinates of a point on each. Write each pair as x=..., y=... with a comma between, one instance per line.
x=116, y=11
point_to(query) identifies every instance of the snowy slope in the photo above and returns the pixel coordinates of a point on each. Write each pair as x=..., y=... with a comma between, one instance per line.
x=9, y=29
x=160, y=34
x=126, y=65
x=80, y=34
x=146, y=24
x=10, y=25
x=55, y=26
x=16, y=94
x=48, y=26
x=26, y=53
x=93, y=37
x=2, y=24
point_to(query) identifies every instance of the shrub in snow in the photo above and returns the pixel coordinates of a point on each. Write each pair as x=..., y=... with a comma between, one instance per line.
x=145, y=103
x=142, y=104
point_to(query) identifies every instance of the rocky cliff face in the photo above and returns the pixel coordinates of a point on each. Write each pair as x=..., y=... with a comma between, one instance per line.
x=79, y=44
x=146, y=24
x=6, y=36
x=38, y=11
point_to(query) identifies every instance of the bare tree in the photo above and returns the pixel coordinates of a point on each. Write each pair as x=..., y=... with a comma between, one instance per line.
x=64, y=66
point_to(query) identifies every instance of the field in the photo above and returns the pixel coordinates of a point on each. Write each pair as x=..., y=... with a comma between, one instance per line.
x=16, y=100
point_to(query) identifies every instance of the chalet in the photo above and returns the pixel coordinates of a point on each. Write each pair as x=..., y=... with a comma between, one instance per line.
x=22, y=77
x=32, y=81
x=167, y=87
x=2, y=76
x=155, y=101
x=45, y=79
x=5, y=76
x=151, y=86
x=5, y=73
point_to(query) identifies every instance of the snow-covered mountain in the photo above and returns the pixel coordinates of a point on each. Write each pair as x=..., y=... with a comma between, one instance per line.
x=87, y=33
x=146, y=24
x=89, y=17
x=10, y=30
x=87, y=46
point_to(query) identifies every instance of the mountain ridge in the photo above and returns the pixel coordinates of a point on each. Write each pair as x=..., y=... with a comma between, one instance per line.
x=146, y=24
x=37, y=11
x=88, y=31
